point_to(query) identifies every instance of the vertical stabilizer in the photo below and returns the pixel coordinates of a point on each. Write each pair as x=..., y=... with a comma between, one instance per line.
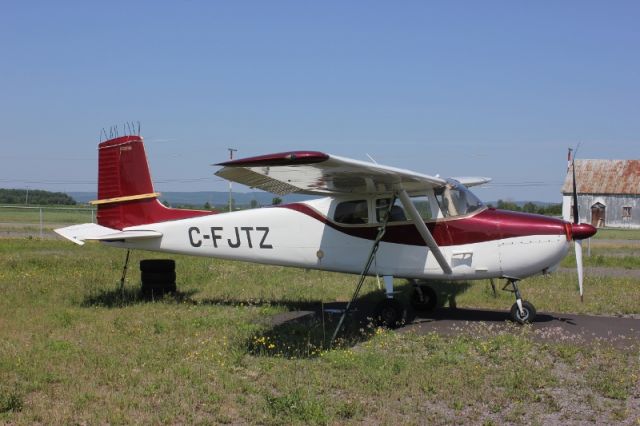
x=125, y=191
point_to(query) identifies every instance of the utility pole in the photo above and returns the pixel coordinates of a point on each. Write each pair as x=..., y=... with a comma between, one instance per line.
x=231, y=151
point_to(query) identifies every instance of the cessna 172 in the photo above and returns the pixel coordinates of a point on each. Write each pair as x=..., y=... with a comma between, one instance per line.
x=372, y=220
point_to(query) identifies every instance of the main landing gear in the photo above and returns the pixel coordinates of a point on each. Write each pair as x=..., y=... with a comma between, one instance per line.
x=522, y=311
x=423, y=298
x=392, y=313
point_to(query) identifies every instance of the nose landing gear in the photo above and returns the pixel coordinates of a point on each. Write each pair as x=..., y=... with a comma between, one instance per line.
x=522, y=312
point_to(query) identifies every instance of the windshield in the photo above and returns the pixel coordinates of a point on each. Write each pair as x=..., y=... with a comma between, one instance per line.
x=456, y=200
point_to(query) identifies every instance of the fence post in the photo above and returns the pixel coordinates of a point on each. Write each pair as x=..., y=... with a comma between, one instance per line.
x=41, y=223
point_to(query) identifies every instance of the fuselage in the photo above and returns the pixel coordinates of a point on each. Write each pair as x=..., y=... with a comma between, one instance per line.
x=487, y=243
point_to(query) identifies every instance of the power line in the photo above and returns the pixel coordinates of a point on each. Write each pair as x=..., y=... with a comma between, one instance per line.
x=94, y=182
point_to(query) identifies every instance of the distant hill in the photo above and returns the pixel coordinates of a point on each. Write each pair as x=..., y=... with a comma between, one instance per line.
x=34, y=196
x=215, y=198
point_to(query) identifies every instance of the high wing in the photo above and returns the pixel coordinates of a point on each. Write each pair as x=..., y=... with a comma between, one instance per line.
x=312, y=172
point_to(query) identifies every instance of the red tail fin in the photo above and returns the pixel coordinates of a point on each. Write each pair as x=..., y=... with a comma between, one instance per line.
x=125, y=191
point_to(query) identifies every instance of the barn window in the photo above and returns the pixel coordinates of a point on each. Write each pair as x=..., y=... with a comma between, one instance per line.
x=626, y=211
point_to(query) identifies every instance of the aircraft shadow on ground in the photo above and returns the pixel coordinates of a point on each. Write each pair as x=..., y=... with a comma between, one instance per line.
x=306, y=327
x=118, y=298
x=472, y=315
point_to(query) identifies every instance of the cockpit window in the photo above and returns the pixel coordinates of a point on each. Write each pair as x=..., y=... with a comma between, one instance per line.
x=352, y=212
x=456, y=200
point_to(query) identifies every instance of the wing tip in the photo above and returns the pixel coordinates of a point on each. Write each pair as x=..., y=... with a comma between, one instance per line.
x=291, y=158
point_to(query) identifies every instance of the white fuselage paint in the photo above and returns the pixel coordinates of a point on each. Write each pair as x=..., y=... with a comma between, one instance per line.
x=282, y=236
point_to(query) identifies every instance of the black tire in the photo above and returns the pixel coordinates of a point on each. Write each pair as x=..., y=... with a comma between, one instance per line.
x=390, y=314
x=424, y=298
x=529, y=313
x=158, y=277
x=157, y=265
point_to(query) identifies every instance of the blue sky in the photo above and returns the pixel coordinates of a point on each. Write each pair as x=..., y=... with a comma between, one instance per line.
x=492, y=88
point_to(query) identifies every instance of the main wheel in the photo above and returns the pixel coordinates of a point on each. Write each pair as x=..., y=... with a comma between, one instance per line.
x=390, y=313
x=529, y=313
x=424, y=298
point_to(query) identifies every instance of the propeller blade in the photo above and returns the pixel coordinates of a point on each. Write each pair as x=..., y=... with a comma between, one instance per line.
x=576, y=221
x=575, y=192
x=580, y=267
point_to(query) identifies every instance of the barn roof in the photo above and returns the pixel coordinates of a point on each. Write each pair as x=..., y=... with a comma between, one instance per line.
x=605, y=177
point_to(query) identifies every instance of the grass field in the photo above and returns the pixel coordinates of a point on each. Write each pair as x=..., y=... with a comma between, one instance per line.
x=617, y=234
x=51, y=214
x=74, y=349
x=18, y=222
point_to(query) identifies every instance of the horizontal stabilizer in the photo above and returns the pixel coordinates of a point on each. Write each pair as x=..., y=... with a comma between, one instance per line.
x=91, y=231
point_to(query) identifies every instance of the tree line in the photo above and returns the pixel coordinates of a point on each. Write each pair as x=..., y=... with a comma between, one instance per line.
x=529, y=207
x=40, y=197
x=34, y=196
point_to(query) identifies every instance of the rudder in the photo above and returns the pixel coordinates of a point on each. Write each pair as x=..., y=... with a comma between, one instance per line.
x=125, y=191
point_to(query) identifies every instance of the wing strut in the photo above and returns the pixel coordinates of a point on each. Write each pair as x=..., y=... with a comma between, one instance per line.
x=423, y=230
x=365, y=271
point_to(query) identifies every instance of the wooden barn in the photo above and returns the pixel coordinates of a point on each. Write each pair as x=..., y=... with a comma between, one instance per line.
x=608, y=193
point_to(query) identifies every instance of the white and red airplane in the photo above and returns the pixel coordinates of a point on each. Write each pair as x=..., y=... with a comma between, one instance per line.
x=372, y=220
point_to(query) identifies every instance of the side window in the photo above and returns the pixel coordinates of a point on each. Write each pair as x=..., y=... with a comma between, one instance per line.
x=352, y=212
x=423, y=206
x=397, y=213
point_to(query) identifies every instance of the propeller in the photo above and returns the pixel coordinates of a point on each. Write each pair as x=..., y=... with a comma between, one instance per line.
x=580, y=231
x=576, y=220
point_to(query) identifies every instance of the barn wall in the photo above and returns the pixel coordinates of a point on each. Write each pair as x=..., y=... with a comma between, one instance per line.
x=614, y=211
x=566, y=208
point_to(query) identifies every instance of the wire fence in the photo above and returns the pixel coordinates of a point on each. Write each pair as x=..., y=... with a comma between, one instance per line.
x=40, y=221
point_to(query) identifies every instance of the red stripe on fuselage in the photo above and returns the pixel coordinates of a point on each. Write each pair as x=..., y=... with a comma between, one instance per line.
x=486, y=225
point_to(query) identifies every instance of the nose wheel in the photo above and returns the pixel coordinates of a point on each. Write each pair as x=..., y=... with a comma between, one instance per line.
x=524, y=316
x=522, y=312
